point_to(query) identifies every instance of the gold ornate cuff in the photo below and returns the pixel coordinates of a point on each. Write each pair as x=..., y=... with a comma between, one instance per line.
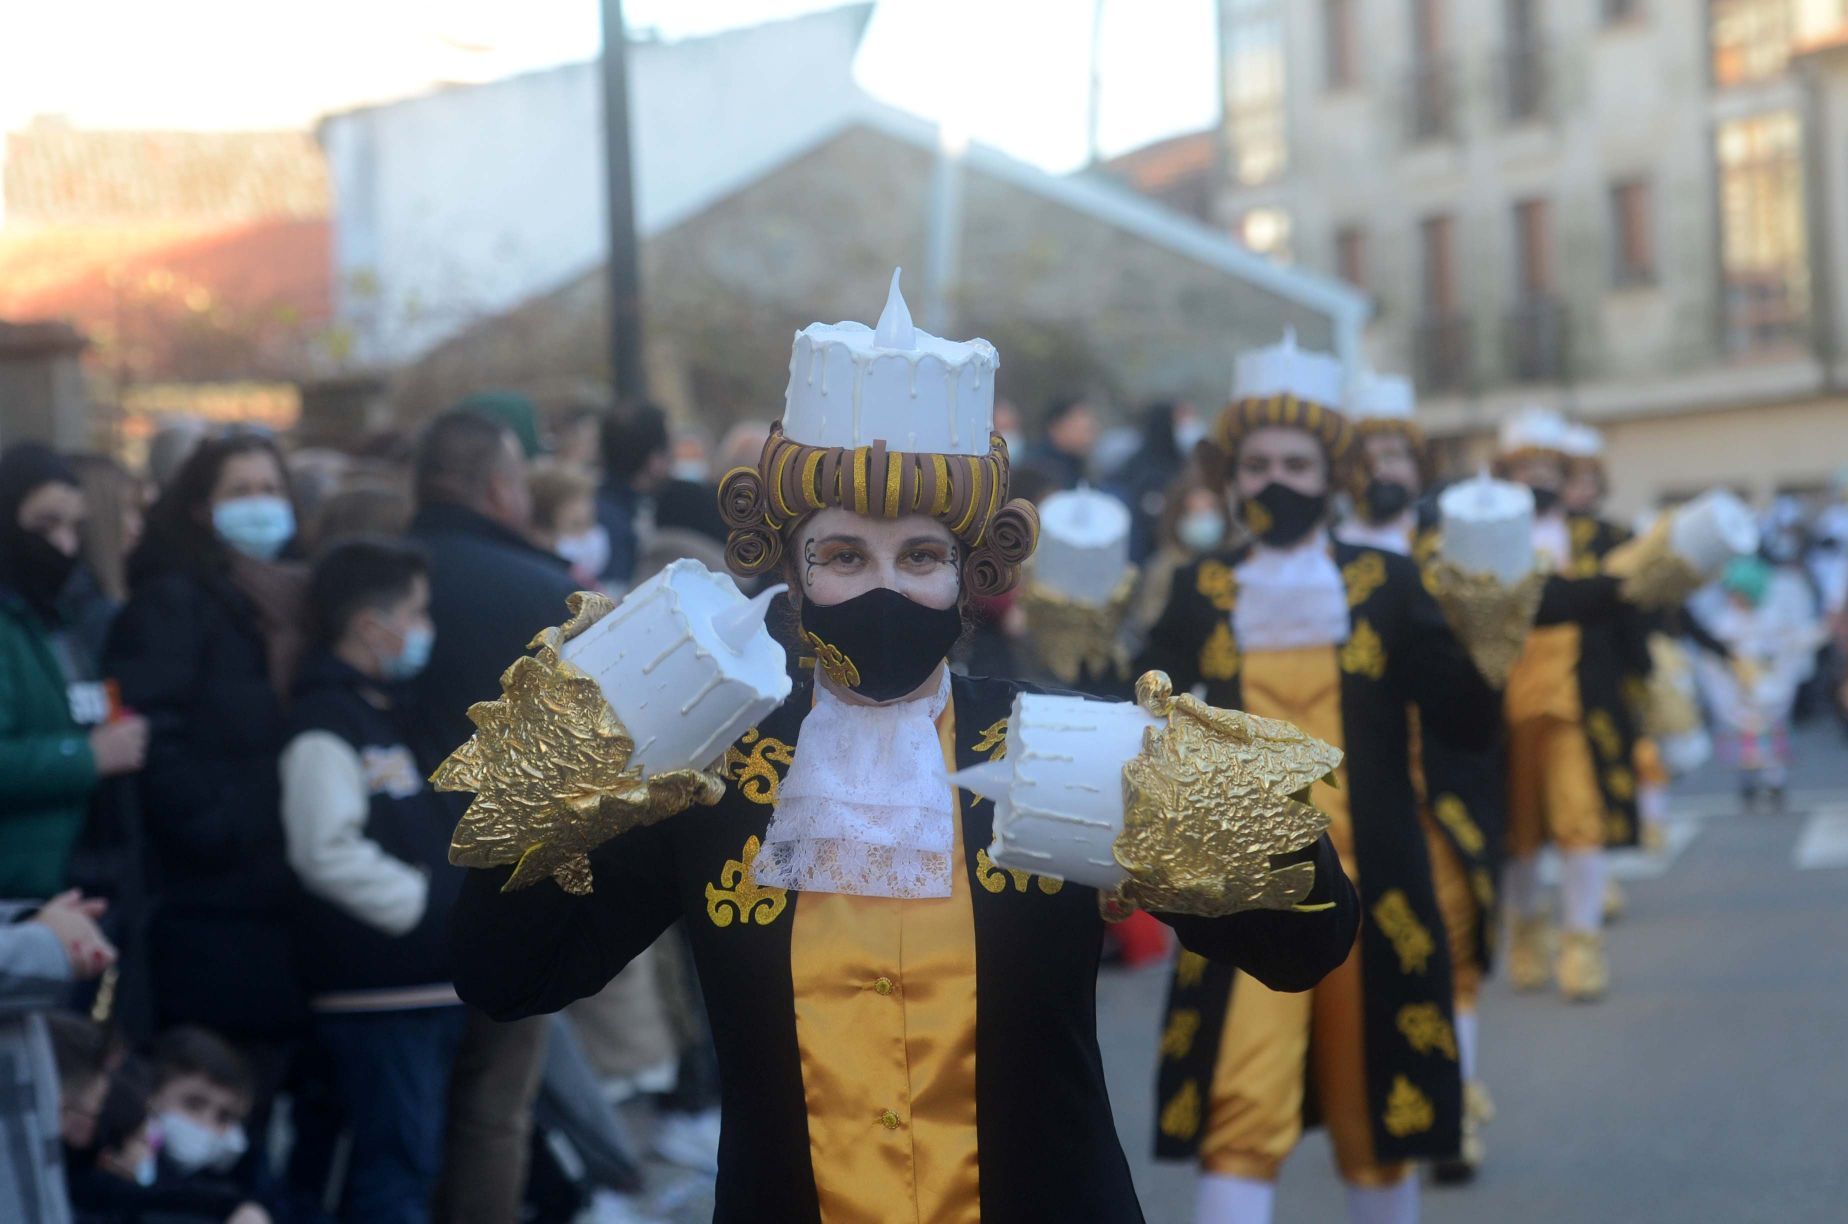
x=1490, y=618
x=1210, y=800
x=1071, y=636
x=1654, y=576
x=549, y=767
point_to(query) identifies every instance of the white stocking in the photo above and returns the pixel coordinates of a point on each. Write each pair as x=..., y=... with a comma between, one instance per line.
x=1384, y=1205
x=1521, y=881
x=1581, y=890
x=1466, y=1044
x=1234, y=1200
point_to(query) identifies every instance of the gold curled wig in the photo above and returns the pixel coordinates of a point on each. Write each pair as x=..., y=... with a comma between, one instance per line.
x=1243, y=417
x=1370, y=427
x=764, y=505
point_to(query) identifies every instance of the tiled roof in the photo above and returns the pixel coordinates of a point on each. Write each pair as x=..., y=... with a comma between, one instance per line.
x=1178, y=171
x=59, y=174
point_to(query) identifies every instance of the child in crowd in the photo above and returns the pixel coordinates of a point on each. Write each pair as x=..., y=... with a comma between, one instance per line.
x=202, y=1097
x=369, y=840
x=565, y=521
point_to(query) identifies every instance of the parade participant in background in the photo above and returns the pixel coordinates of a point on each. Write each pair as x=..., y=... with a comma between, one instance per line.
x=1459, y=789
x=565, y=521
x=900, y=1024
x=1193, y=525
x=1068, y=435
x=369, y=840
x=1343, y=642
x=207, y=648
x=50, y=761
x=1571, y=733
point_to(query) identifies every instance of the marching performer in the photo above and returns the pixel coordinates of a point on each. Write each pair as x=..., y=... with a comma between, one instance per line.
x=1459, y=789
x=905, y=1028
x=1344, y=642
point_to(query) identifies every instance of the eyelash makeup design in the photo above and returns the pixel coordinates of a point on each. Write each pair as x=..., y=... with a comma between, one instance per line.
x=810, y=561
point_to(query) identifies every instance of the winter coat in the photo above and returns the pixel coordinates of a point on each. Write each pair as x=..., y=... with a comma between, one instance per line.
x=47, y=772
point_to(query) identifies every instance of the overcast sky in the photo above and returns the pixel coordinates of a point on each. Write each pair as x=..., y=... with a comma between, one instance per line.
x=1014, y=72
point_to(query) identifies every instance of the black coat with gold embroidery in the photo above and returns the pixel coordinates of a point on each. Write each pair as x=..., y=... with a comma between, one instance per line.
x=1400, y=654
x=1046, y=1140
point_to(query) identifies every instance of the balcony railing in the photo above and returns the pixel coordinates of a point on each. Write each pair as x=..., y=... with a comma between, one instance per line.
x=1444, y=357
x=1765, y=310
x=1526, y=83
x=1538, y=341
x=1433, y=102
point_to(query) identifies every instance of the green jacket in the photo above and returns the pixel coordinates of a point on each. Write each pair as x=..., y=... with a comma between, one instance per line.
x=47, y=772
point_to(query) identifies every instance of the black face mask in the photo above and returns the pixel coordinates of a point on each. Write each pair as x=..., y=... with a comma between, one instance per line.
x=37, y=568
x=1280, y=516
x=1546, y=501
x=880, y=644
x=1385, y=500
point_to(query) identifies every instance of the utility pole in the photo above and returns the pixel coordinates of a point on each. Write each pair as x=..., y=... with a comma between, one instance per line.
x=625, y=271
x=1092, y=153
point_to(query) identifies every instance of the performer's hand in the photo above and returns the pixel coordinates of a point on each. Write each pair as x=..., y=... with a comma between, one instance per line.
x=72, y=919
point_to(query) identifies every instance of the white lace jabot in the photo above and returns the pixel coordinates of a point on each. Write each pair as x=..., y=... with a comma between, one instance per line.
x=866, y=808
x=1289, y=600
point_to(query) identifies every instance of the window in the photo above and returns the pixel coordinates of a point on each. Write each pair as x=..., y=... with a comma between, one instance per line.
x=1440, y=272
x=1633, y=256
x=1267, y=231
x=1351, y=255
x=1764, y=253
x=1524, y=74
x=1433, y=87
x=1750, y=39
x=1621, y=12
x=1252, y=33
x=1338, y=33
x=1533, y=227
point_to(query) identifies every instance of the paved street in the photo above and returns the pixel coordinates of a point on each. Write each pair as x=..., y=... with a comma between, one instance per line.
x=1710, y=1086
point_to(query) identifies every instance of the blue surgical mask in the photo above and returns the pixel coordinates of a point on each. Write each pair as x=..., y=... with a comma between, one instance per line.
x=146, y=1170
x=414, y=655
x=1201, y=531
x=258, y=527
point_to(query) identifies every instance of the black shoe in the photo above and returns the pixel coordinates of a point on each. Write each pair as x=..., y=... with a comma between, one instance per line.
x=1452, y=1172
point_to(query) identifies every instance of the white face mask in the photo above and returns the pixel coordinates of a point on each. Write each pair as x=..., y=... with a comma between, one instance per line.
x=696, y=470
x=193, y=1146
x=1201, y=532
x=588, y=551
x=1187, y=435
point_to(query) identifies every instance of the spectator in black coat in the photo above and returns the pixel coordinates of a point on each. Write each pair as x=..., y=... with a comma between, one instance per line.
x=205, y=648
x=490, y=592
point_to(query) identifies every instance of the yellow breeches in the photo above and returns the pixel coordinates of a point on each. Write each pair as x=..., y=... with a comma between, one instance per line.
x=1456, y=903
x=1552, y=788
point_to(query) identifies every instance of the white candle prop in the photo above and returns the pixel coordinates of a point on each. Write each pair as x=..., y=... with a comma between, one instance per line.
x=1285, y=369
x=1489, y=528
x=843, y=377
x=687, y=664
x=1711, y=530
x=1058, y=791
x=1083, y=546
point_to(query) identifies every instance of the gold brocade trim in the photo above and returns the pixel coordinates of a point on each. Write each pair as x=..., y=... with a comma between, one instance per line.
x=838, y=667
x=1454, y=815
x=1072, y=636
x=1584, y=533
x=1180, y=1117
x=739, y=897
x=995, y=878
x=1602, y=729
x=1178, y=1037
x=1670, y=709
x=1219, y=658
x=549, y=767
x=1652, y=575
x=1424, y=1028
x=1490, y=618
x=1210, y=800
x=1620, y=782
x=1483, y=885
x=754, y=773
x=1392, y=913
x=1363, y=654
x=1258, y=520
x=993, y=741
x=1363, y=575
x=1408, y=1111
x=1216, y=582
x=1189, y=969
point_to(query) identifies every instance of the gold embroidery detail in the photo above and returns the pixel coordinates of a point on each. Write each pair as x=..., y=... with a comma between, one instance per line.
x=1620, y=782
x=1392, y=913
x=1178, y=1038
x=1257, y=518
x=839, y=667
x=1217, y=583
x=1424, y=1027
x=1189, y=969
x=1491, y=619
x=1453, y=815
x=994, y=877
x=1408, y=1111
x=1364, y=655
x=993, y=741
x=1584, y=534
x=1602, y=729
x=1180, y=1117
x=1219, y=658
x=738, y=896
x=755, y=773
x=1363, y=575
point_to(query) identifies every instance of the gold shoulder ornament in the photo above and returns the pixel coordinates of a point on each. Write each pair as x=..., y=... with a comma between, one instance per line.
x=1210, y=800
x=1491, y=618
x=549, y=768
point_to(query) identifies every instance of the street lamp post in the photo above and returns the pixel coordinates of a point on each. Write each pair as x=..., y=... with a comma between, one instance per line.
x=625, y=274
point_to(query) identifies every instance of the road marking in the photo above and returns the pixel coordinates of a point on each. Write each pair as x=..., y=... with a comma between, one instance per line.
x=1824, y=842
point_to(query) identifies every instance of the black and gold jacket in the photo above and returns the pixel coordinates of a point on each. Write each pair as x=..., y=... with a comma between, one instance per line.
x=1047, y=1142
x=1400, y=654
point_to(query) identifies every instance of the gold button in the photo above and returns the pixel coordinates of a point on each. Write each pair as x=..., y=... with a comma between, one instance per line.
x=889, y=1120
x=883, y=986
